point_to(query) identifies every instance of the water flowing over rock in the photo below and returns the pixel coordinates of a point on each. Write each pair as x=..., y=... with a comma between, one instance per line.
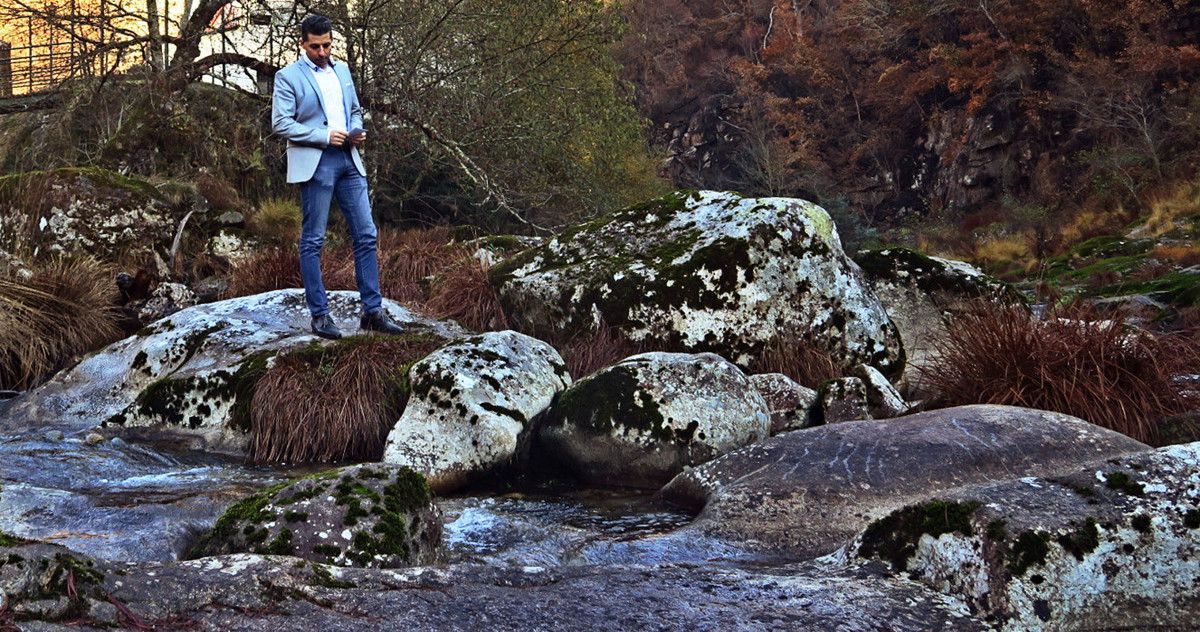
x=192, y=371
x=368, y=515
x=704, y=271
x=642, y=420
x=788, y=401
x=1113, y=545
x=473, y=405
x=808, y=492
x=921, y=293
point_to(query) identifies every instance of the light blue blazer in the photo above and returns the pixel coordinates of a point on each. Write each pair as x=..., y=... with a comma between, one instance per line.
x=298, y=114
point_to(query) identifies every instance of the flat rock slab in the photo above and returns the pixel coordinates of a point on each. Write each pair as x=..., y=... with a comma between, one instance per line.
x=807, y=492
x=250, y=593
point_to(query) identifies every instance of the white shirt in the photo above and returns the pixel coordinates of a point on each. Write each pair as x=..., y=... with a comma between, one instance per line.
x=331, y=96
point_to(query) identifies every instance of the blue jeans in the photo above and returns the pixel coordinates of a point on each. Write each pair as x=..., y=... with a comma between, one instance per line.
x=336, y=175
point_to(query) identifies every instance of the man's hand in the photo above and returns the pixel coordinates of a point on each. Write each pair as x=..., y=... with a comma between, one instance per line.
x=357, y=139
x=337, y=138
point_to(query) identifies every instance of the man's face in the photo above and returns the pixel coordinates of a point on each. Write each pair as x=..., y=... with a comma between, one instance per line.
x=318, y=48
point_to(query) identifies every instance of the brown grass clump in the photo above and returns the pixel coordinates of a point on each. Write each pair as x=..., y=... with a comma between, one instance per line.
x=1180, y=255
x=591, y=351
x=331, y=403
x=277, y=221
x=66, y=309
x=800, y=360
x=1071, y=363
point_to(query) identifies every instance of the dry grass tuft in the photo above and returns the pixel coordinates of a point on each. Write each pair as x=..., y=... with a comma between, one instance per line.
x=422, y=269
x=1168, y=211
x=66, y=309
x=591, y=351
x=331, y=403
x=277, y=221
x=1180, y=254
x=1071, y=363
x=800, y=360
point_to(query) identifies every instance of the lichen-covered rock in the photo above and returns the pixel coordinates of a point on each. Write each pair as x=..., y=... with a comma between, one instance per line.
x=374, y=515
x=704, y=271
x=472, y=406
x=192, y=371
x=883, y=400
x=921, y=293
x=1112, y=546
x=843, y=399
x=231, y=245
x=807, y=493
x=261, y=593
x=166, y=299
x=639, y=422
x=788, y=401
x=84, y=210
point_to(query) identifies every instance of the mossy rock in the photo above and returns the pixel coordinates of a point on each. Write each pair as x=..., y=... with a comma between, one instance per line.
x=703, y=271
x=642, y=421
x=373, y=515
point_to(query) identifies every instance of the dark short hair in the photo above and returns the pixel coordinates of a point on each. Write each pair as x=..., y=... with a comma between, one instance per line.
x=315, y=25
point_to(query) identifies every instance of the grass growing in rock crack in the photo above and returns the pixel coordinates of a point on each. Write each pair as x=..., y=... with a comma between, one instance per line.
x=327, y=403
x=1070, y=362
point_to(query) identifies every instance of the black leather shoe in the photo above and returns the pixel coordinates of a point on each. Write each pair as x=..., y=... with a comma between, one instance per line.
x=324, y=327
x=378, y=321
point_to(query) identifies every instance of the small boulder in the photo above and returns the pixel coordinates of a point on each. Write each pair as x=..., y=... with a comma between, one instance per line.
x=843, y=399
x=641, y=421
x=807, y=493
x=788, y=401
x=166, y=299
x=472, y=406
x=704, y=271
x=883, y=400
x=372, y=515
x=231, y=246
x=1110, y=546
x=921, y=294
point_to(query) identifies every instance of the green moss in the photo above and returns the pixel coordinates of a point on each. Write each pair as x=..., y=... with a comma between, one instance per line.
x=1177, y=288
x=614, y=399
x=1122, y=482
x=281, y=544
x=894, y=538
x=239, y=518
x=1191, y=519
x=1082, y=540
x=996, y=530
x=295, y=516
x=241, y=388
x=1140, y=522
x=1030, y=549
x=321, y=576
x=328, y=550
x=12, y=540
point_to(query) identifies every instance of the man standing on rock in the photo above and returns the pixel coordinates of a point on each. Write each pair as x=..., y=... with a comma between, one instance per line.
x=316, y=109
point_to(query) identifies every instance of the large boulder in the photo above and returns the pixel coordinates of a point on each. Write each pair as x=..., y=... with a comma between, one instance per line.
x=1113, y=545
x=641, y=421
x=366, y=515
x=922, y=293
x=472, y=406
x=704, y=271
x=191, y=372
x=806, y=493
x=85, y=210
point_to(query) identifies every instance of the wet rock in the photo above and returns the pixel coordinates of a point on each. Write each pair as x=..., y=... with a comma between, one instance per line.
x=643, y=420
x=373, y=515
x=472, y=407
x=187, y=373
x=806, y=493
x=1112, y=545
x=252, y=592
x=843, y=399
x=921, y=293
x=788, y=401
x=166, y=299
x=883, y=400
x=704, y=271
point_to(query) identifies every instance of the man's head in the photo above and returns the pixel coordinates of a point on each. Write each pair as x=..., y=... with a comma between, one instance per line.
x=316, y=39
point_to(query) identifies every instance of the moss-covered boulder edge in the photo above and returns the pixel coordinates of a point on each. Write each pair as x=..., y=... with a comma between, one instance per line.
x=1112, y=545
x=643, y=420
x=703, y=271
x=374, y=515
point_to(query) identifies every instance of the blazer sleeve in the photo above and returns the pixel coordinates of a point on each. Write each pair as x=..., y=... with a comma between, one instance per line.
x=283, y=116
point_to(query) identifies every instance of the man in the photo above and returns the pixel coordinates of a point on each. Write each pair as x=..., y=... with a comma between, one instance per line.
x=316, y=109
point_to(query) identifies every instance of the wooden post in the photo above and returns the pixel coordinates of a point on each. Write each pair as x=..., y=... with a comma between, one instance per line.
x=6, y=76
